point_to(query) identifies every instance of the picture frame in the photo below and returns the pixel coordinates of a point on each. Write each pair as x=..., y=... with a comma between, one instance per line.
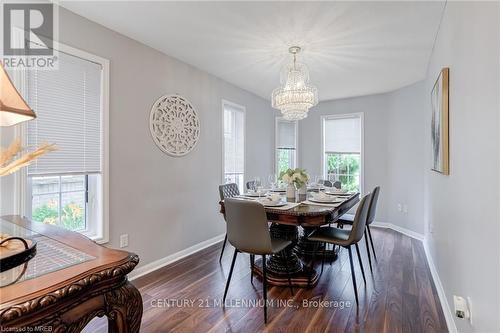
x=440, y=145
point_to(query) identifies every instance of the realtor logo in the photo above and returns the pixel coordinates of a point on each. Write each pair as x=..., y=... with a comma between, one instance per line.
x=36, y=20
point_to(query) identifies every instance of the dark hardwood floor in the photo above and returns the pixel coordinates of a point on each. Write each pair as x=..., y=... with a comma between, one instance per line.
x=399, y=296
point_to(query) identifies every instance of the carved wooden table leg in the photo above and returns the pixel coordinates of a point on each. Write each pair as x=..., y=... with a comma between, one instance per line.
x=277, y=269
x=124, y=309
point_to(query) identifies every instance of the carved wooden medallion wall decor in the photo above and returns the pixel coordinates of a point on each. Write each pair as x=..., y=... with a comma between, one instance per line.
x=174, y=125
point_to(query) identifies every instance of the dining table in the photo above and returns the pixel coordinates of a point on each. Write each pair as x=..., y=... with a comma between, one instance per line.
x=294, y=222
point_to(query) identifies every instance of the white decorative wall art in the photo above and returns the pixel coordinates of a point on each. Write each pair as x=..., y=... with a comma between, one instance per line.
x=174, y=125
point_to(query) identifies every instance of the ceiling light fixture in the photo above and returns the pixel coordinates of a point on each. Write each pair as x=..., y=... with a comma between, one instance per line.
x=295, y=96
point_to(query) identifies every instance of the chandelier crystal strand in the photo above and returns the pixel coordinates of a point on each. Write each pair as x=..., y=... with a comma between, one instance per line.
x=295, y=96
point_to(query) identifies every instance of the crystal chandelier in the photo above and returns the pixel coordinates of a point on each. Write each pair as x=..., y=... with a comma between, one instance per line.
x=295, y=96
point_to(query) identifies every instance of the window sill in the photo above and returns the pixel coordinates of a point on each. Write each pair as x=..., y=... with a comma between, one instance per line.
x=97, y=238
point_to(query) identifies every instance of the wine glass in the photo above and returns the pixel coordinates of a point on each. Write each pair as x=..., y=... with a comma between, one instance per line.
x=321, y=183
x=318, y=181
x=273, y=180
x=258, y=185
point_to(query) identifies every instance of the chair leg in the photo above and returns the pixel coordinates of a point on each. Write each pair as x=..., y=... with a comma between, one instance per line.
x=252, y=264
x=360, y=263
x=323, y=259
x=353, y=275
x=312, y=264
x=264, y=286
x=285, y=258
x=223, y=247
x=230, y=274
x=371, y=241
x=368, y=251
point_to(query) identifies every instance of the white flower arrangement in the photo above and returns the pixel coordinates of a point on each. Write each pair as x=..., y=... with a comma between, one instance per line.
x=297, y=177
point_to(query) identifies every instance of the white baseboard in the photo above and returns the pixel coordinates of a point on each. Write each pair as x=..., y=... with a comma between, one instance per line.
x=157, y=264
x=448, y=314
x=404, y=231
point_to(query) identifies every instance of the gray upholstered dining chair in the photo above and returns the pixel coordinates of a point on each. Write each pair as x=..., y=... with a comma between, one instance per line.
x=248, y=232
x=227, y=191
x=345, y=238
x=371, y=217
x=327, y=183
x=251, y=185
x=337, y=184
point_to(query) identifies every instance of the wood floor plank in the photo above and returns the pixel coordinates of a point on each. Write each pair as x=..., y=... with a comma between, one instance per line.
x=399, y=295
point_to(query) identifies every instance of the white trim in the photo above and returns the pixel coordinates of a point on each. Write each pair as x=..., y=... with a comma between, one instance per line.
x=100, y=237
x=401, y=230
x=296, y=137
x=244, y=110
x=361, y=116
x=157, y=264
x=448, y=314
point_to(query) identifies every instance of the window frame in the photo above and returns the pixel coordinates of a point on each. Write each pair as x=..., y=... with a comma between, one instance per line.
x=276, y=133
x=242, y=109
x=359, y=115
x=99, y=231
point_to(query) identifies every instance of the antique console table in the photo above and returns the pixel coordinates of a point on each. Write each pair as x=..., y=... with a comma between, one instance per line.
x=285, y=225
x=68, y=282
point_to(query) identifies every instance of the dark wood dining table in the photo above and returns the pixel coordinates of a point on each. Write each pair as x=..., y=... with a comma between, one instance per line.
x=295, y=224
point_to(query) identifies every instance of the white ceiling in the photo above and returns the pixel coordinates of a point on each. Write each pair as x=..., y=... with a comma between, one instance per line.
x=351, y=48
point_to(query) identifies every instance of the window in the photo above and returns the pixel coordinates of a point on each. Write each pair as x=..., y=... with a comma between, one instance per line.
x=286, y=145
x=234, y=143
x=342, y=155
x=68, y=187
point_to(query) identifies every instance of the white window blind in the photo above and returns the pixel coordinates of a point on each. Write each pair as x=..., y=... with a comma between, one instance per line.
x=234, y=144
x=286, y=134
x=67, y=102
x=343, y=135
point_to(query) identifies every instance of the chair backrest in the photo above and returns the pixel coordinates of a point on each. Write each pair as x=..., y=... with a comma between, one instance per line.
x=247, y=228
x=337, y=184
x=251, y=185
x=359, y=223
x=327, y=183
x=228, y=191
x=373, y=205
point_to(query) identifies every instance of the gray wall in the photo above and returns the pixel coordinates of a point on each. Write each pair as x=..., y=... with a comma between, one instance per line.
x=405, y=156
x=462, y=210
x=165, y=204
x=393, y=151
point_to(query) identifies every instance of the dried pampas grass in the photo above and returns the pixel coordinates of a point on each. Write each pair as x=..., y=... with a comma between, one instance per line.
x=8, y=162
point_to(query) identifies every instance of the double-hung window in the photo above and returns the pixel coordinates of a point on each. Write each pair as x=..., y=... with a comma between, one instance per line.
x=286, y=145
x=234, y=143
x=342, y=155
x=68, y=187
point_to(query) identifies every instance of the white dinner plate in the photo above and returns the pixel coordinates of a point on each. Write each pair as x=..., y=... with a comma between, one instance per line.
x=336, y=200
x=255, y=195
x=271, y=204
x=338, y=193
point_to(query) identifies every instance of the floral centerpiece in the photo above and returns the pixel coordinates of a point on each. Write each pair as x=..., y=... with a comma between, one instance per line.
x=296, y=179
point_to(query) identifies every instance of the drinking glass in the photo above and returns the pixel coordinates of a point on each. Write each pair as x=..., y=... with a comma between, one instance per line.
x=258, y=185
x=273, y=180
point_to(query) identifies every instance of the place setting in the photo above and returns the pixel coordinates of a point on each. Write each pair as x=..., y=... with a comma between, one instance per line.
x=324, y=199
